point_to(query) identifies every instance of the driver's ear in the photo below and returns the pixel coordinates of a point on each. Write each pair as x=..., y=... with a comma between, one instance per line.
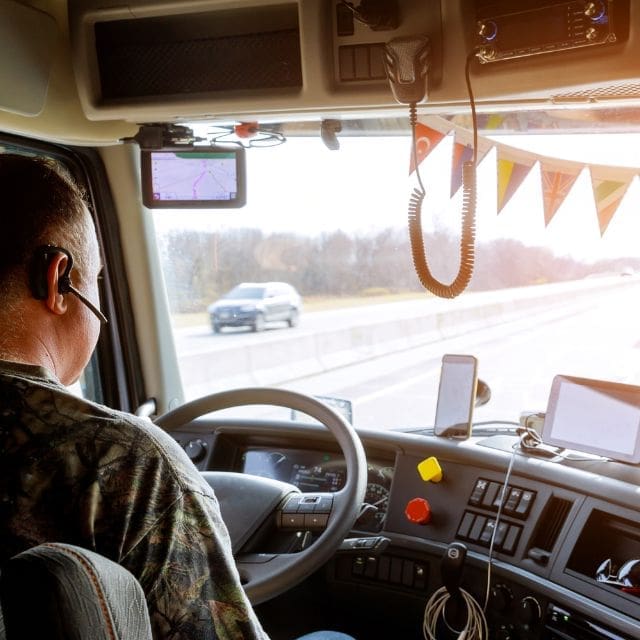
x=55, y=300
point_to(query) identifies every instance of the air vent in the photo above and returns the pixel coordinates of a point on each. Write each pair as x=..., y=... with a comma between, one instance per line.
x=613, y=92
x=548, y=529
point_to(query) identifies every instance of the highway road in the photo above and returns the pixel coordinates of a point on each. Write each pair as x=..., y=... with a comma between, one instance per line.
x=585, y=337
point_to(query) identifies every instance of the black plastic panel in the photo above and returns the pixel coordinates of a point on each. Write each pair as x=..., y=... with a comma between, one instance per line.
x=177, y=55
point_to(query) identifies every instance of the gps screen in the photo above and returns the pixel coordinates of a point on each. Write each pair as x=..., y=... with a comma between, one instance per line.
x=193, y=178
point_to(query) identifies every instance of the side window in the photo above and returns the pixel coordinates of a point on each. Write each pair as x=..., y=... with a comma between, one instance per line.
x=91, y=381
x=90, y=384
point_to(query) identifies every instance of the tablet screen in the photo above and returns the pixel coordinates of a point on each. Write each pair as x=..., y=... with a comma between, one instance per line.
x=594, y=416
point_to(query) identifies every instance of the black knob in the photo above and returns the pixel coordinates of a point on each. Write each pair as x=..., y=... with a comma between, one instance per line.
x=501, y=597
x=196, y=450
x=505, y=632
x=529, y=611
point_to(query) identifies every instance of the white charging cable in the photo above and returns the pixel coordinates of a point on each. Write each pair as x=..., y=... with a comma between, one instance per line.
x=475, y=627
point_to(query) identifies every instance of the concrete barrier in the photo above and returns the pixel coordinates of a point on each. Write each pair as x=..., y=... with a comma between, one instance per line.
x=281, y=356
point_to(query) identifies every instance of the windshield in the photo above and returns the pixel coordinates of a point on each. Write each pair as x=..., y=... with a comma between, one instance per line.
x=244, y=292
x=553, y=289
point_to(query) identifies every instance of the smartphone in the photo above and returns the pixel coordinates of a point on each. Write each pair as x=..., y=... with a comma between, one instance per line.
x=456, y=396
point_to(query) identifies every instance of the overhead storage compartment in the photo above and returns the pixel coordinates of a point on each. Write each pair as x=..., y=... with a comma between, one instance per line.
x=149, y=61
x=157, y=60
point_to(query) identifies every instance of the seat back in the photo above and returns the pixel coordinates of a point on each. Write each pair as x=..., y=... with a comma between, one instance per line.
x=59, y=591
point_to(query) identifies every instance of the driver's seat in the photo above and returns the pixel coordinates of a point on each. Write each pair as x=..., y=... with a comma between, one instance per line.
x=63, y=592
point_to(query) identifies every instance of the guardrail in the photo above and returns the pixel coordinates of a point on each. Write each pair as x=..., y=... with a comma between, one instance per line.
x=281, y=356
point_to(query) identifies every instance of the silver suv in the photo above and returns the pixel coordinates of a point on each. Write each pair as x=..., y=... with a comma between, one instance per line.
x=254, y=304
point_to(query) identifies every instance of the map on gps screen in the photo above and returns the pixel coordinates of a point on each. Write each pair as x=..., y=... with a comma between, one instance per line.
x=193, y=176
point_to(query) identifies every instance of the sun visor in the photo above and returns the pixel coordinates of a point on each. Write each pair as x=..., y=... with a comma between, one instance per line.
x=28, y=41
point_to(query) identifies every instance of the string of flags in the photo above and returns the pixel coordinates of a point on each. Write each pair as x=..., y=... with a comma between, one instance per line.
x=609, y=183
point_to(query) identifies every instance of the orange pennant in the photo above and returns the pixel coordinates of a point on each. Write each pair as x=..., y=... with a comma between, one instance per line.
x=426, y=141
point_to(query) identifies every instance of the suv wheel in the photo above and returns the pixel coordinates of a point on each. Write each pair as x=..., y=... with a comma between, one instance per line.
x=216, y=327
x=258, y=323
x=294, y=318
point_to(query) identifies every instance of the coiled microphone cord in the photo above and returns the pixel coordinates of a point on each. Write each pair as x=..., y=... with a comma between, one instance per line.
x=467, y=239
x=468, y=223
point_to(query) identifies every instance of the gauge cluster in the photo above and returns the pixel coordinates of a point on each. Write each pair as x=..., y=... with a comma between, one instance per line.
x=321, y=471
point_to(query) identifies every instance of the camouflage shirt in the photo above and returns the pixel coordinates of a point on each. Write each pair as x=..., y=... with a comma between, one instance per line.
x=77, y=472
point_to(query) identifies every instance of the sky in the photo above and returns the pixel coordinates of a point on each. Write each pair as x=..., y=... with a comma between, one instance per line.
x=301, y=185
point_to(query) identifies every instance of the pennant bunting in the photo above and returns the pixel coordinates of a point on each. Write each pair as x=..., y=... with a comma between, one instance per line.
x=513, y=168
x=463, y=152
x=556, y=185
x=427, y=139
x=609, y=188
x=558, y=177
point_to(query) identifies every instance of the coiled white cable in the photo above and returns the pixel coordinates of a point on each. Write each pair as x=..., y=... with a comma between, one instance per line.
x=475, y=627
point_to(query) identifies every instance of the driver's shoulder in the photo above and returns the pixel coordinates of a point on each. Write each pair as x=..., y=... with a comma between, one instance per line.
x=159, y=449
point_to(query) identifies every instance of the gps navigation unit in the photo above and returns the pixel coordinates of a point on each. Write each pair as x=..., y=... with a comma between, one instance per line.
x=199, y=177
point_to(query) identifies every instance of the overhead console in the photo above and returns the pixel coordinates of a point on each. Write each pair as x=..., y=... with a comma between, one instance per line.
x=148, y=61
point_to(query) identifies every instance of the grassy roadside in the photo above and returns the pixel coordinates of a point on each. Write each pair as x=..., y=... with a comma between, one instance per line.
x=312, y=303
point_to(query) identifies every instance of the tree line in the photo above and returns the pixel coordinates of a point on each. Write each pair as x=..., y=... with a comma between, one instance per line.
x=200, y=266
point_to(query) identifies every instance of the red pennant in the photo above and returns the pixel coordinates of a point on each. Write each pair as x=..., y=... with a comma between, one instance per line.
x=426, y=141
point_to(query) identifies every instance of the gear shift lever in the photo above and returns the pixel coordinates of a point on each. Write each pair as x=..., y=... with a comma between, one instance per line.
x=451, y=567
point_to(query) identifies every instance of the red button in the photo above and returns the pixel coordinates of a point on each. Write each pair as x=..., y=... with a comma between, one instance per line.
x=418, y=511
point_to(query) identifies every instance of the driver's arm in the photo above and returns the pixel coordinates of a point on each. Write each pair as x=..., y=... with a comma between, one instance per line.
x=173, y=539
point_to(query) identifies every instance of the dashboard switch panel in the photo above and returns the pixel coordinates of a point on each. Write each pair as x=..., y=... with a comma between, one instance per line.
x=480, y=529
x=487, y=494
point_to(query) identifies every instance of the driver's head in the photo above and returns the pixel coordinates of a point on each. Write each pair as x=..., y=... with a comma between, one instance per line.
x=40, y=323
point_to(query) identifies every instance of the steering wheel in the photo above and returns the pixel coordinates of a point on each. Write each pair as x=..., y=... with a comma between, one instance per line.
x=249, y=502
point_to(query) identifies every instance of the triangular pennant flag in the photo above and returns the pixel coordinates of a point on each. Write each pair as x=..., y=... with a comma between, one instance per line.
x=426, y=141
x=462, y=153
x=490, y=121
x=609, y=187
x=556, y=185
x=511, y=173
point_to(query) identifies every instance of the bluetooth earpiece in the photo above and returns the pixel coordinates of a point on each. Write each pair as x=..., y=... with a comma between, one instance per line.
x=39, y=268
x=38, y=271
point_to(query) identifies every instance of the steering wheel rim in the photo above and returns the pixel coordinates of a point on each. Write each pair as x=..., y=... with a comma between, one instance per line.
x=266, y=576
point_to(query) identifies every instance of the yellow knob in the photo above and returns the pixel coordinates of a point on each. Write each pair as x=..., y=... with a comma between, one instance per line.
x=429, y=470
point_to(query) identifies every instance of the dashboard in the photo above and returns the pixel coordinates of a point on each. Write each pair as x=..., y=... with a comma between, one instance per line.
x=560, y=522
